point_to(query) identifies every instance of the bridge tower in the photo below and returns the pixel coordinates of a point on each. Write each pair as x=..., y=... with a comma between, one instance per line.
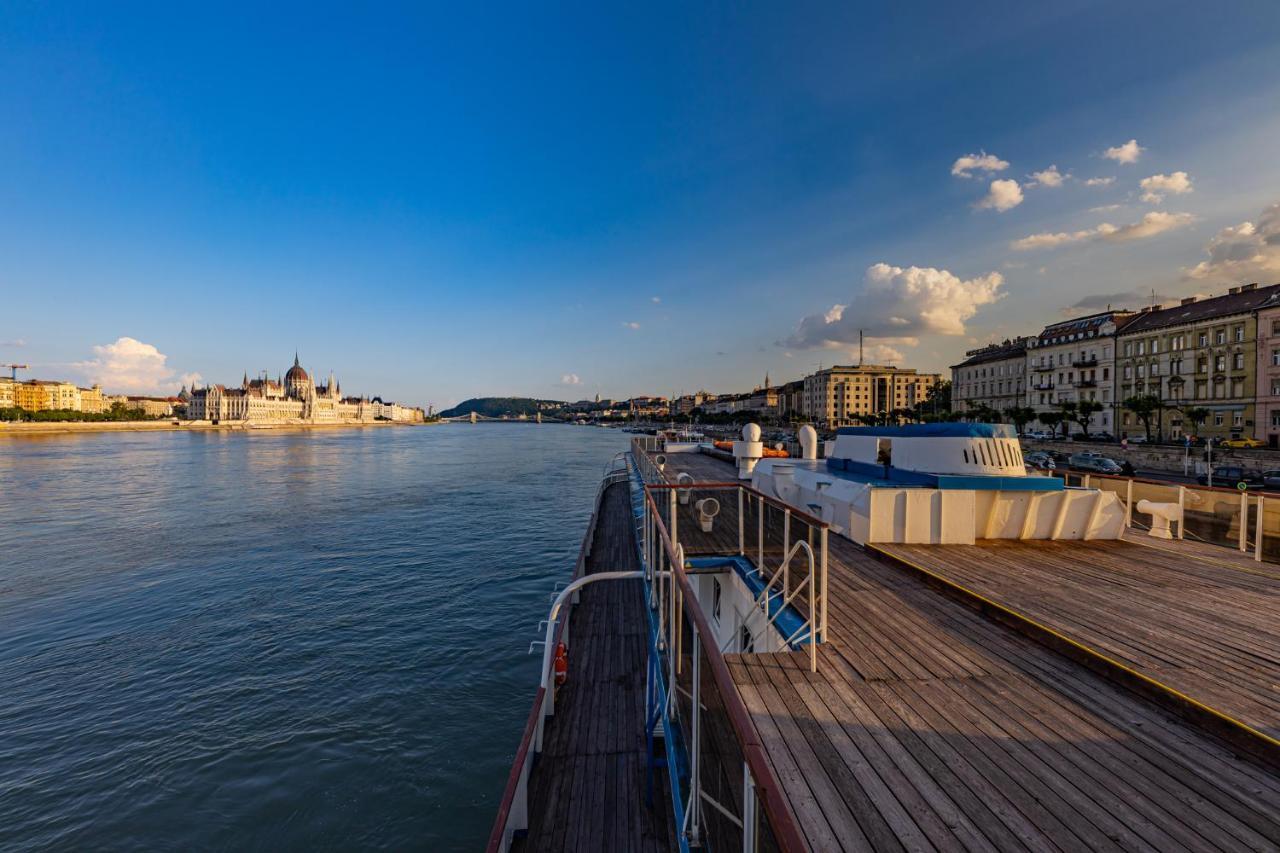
x=473, y=417
x=539, y=417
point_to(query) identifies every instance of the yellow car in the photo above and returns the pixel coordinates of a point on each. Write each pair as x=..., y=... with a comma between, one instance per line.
x=1242, y=443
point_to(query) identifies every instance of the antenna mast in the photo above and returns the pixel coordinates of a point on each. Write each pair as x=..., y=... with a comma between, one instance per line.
x=859, y=348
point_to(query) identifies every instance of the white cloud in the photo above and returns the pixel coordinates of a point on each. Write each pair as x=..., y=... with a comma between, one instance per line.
x=655, y=299
x=1004, y=194
x=896, y=305
x=884, y=354
x=1099, y=182
x=1246, y=252
x=1127, y=153
x=1156, y=187
x=570, y=379
x=1049, y=177
x=129, y=365
x=982, y=161
x=1105, y=208
x=1153, y=223
x=631, y=325
x=16, y=343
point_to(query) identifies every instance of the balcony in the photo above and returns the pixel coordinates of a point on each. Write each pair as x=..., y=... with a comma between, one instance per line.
x=1086, y=362
x=1086, y=383
x=1043, y=386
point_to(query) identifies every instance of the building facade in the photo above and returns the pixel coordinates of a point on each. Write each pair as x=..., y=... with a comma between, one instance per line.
x=993, y=376
x=844, y=395
x=295, y=397
x=1201, y=353
x=1267, y=371
x=1075, y=360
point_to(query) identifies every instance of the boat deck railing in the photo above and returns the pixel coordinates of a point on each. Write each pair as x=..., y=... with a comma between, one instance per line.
x=513, y=810
x=1242, y=519
x=726, y=795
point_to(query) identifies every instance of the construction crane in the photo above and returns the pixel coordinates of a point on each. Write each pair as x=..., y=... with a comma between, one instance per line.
x=14, y=368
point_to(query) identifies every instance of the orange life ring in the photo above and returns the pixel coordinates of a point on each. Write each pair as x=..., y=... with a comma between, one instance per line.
x=561, y=665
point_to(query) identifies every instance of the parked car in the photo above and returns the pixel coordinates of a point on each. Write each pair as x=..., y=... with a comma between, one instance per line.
x=1044, y=461
x=1094, y=463
x=1243, y=442
x=1230, y=475
x=1271, y=481
x=1094, y=436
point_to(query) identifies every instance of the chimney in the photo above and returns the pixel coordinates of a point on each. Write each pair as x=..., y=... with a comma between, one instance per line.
x=1188, y=300
x=1249, y=287
x=1232, y=291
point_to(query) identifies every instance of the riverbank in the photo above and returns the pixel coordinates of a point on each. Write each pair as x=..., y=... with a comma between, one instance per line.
x=169, y=425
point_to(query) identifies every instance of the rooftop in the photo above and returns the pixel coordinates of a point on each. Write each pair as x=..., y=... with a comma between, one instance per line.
x=1238, y=300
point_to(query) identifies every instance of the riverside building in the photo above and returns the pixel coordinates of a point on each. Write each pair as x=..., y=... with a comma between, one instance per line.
x=1073, y=361
x=843, y=395
x=993, y=376
x=1201, y=353
x=294, y=398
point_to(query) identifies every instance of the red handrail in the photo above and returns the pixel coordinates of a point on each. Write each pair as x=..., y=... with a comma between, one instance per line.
x=782, y=819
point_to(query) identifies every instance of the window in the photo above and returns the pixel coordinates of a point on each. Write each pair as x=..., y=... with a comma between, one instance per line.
x=1220, y=336
x=1237, y=418
x=1128, y=371
x=1142, y=371
x=1275, y=390
x=1155, y=346
x=1238, y=361
x=1237, y=388
x=1217, y=418
x=1275, y=330
x=1220, y=363
x=1155, y=369
x=1128, y=349
x=1202, y=366
x=1239, y=333
x=1275, y=416
x=1142, y=347
x=1175, y=366
x=1204, y=339
x=747, y=643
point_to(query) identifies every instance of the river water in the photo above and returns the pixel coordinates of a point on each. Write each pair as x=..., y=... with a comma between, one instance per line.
x=276, y=640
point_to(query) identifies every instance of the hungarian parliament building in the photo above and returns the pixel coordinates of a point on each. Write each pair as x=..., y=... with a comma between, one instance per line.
x=294, y=399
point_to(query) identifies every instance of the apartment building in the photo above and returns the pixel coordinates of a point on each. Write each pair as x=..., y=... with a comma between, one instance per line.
x=1201, y=353
x=993, y=376
x=1074, y=360
x=840, y=395
x=1267, y=413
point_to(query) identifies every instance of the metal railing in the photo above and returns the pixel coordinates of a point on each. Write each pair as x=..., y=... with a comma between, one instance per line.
x=1244, y=520
x=513, y=809
x=725, y=794
x=770, y=534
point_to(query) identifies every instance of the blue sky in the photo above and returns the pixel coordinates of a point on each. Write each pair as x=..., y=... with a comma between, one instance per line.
x=438, y=202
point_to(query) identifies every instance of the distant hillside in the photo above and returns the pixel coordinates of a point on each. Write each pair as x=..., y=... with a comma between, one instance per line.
x=496, y=407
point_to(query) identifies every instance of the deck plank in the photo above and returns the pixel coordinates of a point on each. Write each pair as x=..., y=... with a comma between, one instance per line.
x=930, y=726
x=588, y=787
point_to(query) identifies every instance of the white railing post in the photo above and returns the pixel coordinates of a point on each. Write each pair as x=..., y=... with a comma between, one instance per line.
x=741, y=524
x=1257, y=531
x=1244, y=520
x=760, y=536
x=748, y=810
x=786, y=548
x=673, y=504
x=695, y=781
x=1182, y=509
x=822, y=562
x=1128, y=504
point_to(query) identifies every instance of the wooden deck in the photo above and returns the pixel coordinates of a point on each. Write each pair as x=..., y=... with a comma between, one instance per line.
x=929, y=726
x=587, y=789
x=1202, y=626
